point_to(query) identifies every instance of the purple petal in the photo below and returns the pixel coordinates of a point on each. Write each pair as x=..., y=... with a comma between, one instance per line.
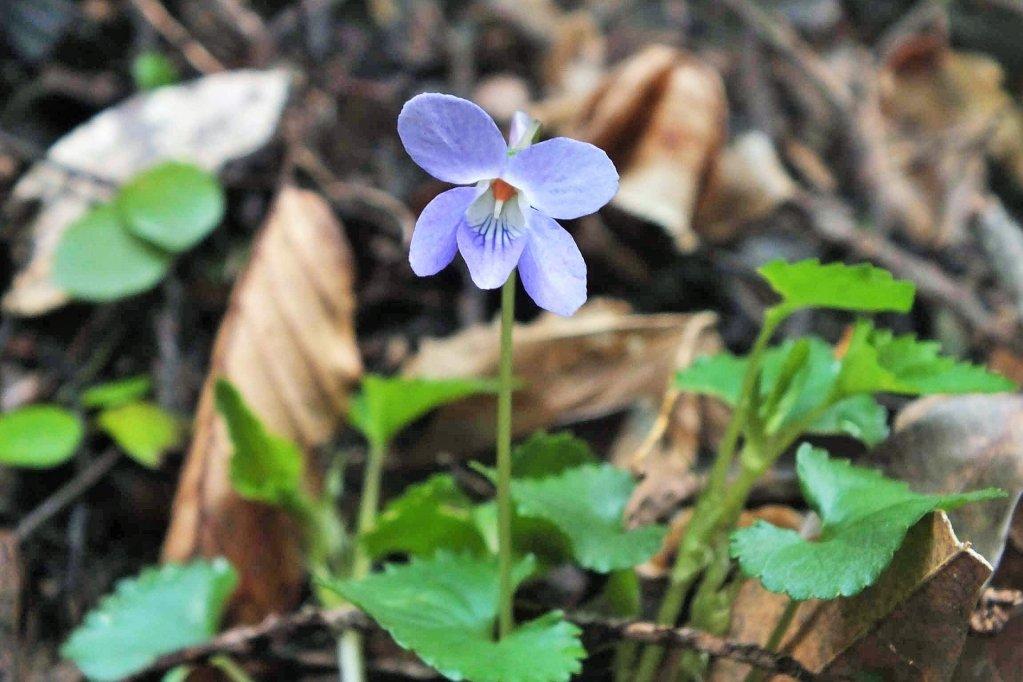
x=490, y=261
x=433, y=241
x=563, y=178
x=452, y=139
x=552, y=269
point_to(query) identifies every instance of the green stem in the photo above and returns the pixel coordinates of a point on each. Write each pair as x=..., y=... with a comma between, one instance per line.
x=349, y=643
x=716, y=504
x=504, y=419
x=776, y=636
x=369, y=503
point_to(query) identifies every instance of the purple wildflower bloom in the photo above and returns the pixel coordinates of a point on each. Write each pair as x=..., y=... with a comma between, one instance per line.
x=506, y=217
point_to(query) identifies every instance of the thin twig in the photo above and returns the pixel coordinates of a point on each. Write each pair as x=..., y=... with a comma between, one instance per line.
x=178, y=36
x=66, y=494
x=249, y=639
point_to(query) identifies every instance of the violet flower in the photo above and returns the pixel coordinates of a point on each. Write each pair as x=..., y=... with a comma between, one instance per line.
x=506, y=217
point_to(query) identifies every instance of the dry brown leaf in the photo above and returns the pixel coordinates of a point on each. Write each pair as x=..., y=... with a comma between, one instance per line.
x=288, y=343
x=748, y=184
x=948, y=444
x=945, y=111
x=196, y=122
x=910, y=625
x=661, y=116
x=599, y=361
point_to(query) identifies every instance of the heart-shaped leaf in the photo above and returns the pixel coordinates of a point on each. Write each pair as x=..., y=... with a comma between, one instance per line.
x=39, y=436
x=444, y=609
x=546, y=454
x=587, y=503
x=161, y=610
x=99, y=260
x=862, y=287
x=864, y=516
x=429, y=516
x=173, y=205
x=143, y=430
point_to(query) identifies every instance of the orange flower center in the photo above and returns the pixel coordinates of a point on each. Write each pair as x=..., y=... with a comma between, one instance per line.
x=502, y=190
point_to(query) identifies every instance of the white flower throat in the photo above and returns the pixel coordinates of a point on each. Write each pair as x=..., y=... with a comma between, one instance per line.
x=497, y=214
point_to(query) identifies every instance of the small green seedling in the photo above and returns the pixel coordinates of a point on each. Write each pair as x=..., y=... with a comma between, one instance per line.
x=141, y=429
x=864, y=518
x=128, y=245
x=163, y=609
x=45, y=436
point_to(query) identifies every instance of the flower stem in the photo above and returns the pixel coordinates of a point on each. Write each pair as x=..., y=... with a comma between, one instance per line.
x=349, y=644
x=504, y=420
x=369, y=503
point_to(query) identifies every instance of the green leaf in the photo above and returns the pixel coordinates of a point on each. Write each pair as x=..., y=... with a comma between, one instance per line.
x=97, y=259
x=586, y=503
x=444, y=609
x=264, y=467
x=718, y=375
x=879, y=361
x=161, y=610
x=545, y=454
x=429, y=516
x=859, y=416
x=151, y=70
x=178, y=673
x=864, y=516
x=796, y=376
x=863, y=287
x=531, y=536
x=39, y=436
x=386, y=405
x=143, y=430
x=173, y=205
x=117, y=393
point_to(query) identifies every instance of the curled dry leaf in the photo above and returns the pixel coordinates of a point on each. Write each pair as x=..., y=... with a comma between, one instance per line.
x=749, y=182
x=911, y=624
x=287, y=343
x=600, y=361
x=661, y=116
x=196, y=122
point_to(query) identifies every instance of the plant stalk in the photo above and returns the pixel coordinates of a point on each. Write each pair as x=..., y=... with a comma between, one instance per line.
x=504, y=419
x=369, y=504
x=715, y=509
x=776, y=636
x=351, y=667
